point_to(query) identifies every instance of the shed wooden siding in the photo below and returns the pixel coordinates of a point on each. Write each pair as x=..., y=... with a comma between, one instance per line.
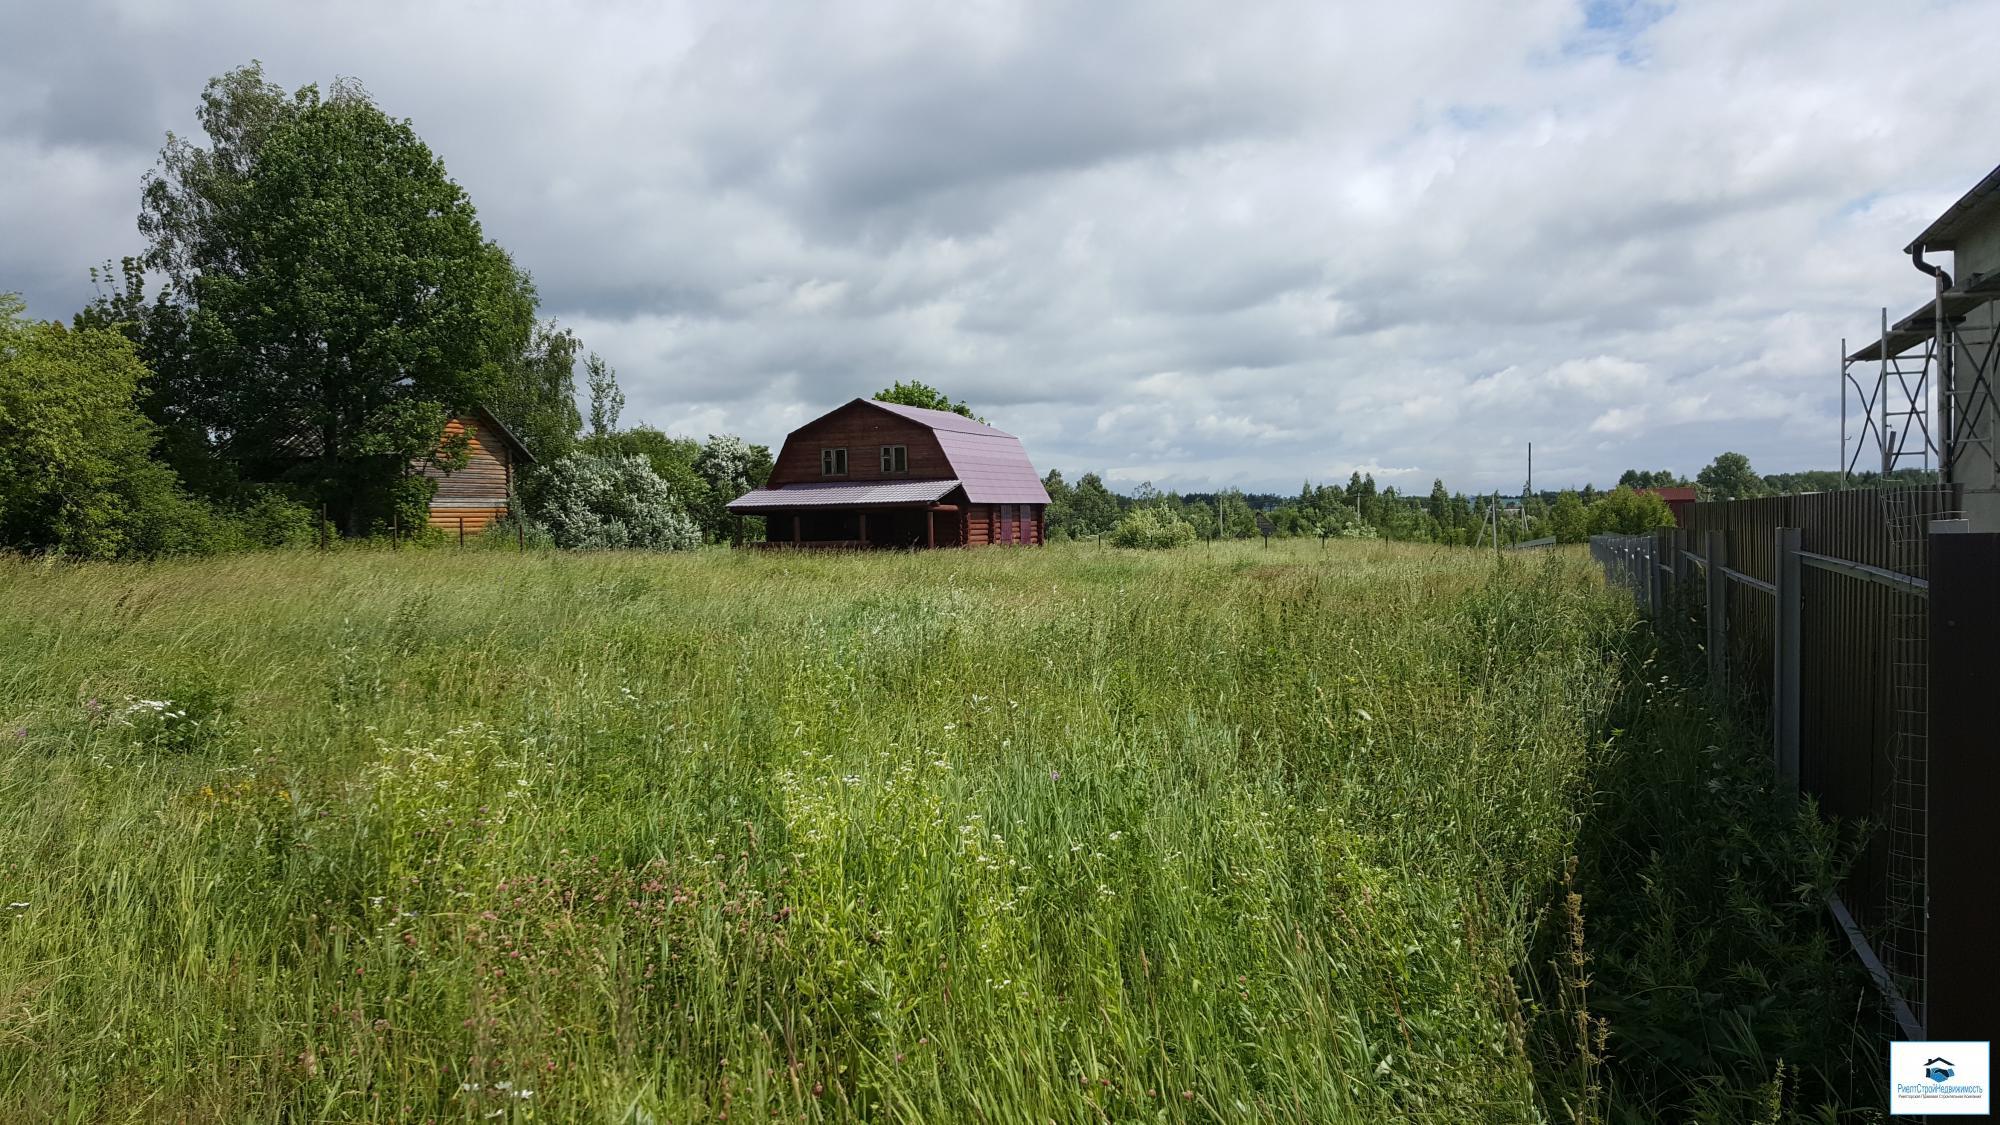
x=475, y=496
x=862, y=431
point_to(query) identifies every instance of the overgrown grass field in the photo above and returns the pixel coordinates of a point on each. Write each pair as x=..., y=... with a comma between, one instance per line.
x=1000, y=836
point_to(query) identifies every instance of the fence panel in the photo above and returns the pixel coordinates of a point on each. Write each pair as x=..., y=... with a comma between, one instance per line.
x=1861, y=681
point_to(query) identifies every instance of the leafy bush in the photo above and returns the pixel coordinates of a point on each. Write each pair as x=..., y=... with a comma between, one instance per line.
x=510, y=532
x=1625, y=512
x=267, y=517
x=76, y=475
x=1152, y=529
x=589, y=502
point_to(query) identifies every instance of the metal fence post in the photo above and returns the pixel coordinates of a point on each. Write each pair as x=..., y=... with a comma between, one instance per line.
x=1962, y=982
x=1785, y=651
x=1716, y=549
x=1655, y=581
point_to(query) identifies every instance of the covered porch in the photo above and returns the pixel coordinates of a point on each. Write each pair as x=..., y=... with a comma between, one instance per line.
x=894, y=515
x=933, y=525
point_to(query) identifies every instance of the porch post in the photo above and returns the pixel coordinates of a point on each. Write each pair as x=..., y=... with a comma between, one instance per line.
x=795, y=529
x=864, y=525
x=930, y=527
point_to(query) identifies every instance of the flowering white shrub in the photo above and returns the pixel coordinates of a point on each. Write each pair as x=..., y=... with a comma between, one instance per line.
x=592, y=502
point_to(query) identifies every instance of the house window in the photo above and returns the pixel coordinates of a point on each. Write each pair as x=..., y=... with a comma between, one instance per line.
x=833, y=462
x=895, y=459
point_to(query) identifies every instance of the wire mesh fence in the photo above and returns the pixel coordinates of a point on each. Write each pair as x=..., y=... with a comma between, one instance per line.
x=1843, y=682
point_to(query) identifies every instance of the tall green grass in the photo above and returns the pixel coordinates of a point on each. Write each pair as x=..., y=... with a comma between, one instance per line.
x=1057, y=835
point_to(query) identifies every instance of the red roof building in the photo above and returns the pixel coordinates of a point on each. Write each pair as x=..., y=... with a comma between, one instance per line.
x=879, y=474
x=1680, y=501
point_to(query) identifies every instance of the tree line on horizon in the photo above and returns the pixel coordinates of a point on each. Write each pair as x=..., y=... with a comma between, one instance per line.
x=1088, y=509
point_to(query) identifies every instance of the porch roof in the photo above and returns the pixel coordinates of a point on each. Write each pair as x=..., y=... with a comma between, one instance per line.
x=844, y=494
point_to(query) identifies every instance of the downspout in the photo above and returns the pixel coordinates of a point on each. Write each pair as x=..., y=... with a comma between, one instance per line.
x=1946, y=446
x=1917, y=259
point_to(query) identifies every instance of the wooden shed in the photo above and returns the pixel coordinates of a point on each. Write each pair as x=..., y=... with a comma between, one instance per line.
x=879, y=474
x=477, y=495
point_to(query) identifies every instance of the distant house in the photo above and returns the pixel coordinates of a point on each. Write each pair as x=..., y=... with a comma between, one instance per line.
x=476, y=495
x=1680, y=501
x=878, y=474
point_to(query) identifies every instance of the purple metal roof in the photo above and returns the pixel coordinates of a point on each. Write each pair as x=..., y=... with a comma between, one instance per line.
x=991, y=463
x=995, y=469
x=841, y=494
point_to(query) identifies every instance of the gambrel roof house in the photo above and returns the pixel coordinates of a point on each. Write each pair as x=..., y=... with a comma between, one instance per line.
x=880, y=474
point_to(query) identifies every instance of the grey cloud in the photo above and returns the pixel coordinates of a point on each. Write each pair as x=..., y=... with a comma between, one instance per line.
x=1264, y=243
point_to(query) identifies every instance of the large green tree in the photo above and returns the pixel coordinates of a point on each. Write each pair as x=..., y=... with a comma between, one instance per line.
x=607, y=401
x=1729, y=477
x=1093, y=508
x=340, y=299
x=1569, y=521
x=535, y=394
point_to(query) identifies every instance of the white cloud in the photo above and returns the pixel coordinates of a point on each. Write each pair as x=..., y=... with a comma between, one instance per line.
x=1185, y=243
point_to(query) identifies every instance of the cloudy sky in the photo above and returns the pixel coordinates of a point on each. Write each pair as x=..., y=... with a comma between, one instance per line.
x=1197, y=244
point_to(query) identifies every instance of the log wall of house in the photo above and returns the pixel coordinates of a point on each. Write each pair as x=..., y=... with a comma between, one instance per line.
x=475, y=496
x=862, y=430
x=1002, y=524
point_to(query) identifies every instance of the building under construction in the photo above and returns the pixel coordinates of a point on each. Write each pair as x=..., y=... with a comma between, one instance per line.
x=1921, y=394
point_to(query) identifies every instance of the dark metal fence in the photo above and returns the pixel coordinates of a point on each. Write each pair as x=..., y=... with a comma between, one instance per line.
x=1816, y=612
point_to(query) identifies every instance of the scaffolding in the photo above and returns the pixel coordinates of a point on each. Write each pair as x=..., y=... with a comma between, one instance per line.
x=1921, y=395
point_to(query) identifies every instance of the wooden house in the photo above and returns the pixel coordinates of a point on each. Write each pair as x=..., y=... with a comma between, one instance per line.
x=878, y=474
x=477, y=495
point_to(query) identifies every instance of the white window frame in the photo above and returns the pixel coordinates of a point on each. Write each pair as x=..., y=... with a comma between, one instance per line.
x=895, y=458
x=833, y=462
